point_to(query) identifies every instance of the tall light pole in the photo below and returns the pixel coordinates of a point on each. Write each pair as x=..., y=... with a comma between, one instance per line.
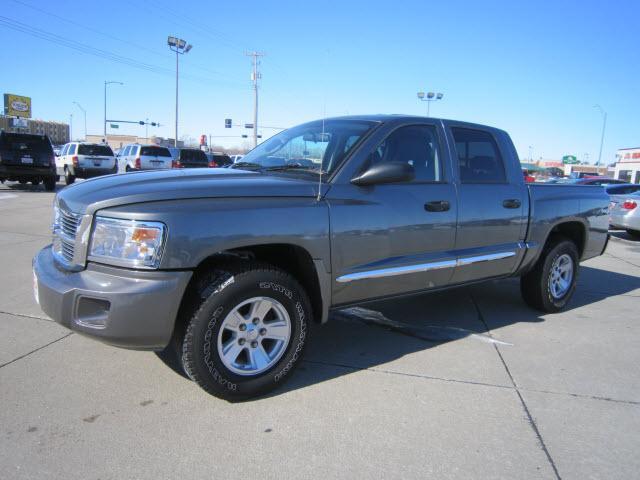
x=180, y=47
x=110, y=82
x=255, y=76
x=71, y=127
x=604, y=125
x=530, y=153
x=85, y=118
x=429, y=97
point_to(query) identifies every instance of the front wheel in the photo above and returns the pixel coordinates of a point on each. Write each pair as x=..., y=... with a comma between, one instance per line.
x=550, y=284
x=248, y=332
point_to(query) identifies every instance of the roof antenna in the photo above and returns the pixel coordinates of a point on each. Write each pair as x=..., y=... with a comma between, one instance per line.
x=324, y=114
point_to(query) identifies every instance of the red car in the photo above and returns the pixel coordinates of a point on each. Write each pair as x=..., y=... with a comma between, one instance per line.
x=527, y=176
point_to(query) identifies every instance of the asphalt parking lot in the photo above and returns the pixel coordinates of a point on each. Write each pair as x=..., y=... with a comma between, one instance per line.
x=468, y=383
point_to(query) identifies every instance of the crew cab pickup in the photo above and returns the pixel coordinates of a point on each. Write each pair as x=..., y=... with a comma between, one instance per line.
x=229, y=267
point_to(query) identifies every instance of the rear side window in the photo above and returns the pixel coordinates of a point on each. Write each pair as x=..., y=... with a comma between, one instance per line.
x=72, y=149
x=102, y=150
x=479, y=159
x=155, y=152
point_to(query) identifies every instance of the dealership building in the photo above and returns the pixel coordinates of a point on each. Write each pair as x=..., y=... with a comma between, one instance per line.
x=628, y=165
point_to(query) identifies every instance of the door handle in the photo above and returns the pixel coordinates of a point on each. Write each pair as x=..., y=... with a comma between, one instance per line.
x=437, y=206
x=511, y=203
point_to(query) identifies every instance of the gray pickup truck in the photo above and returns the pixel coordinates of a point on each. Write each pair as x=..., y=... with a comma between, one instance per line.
x=229, y=267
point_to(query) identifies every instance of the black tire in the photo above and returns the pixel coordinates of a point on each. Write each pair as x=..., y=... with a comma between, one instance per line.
x=23, y=182
x=50, y=184
x=68, y=178
x=127, y=168
x=633, y=233
x=224, y=292
x=535, y=284
x=35, y=182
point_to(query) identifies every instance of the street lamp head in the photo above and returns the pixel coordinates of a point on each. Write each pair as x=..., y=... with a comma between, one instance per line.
x=172, y=41
x=439, y=96
x=420, y=95
x=181, y=43
x=430, y=95
x=189, y=47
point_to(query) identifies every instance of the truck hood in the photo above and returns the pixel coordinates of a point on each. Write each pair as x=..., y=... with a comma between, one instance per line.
x=137, y=187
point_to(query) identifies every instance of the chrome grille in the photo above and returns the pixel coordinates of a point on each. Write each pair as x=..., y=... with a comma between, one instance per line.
x=65, y=228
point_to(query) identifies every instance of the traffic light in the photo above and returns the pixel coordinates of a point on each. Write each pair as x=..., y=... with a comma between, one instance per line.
x=141, y=122
x=153, y=124
x=245, y=136
x=227, y=123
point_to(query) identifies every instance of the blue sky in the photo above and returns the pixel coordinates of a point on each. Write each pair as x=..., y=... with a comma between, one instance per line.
x=534, y=69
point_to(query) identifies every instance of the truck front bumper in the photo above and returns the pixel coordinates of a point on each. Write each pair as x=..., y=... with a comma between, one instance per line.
x=126, y=308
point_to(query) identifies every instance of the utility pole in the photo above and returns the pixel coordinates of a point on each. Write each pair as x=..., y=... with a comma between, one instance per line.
x=255, y=76
x=71, y=127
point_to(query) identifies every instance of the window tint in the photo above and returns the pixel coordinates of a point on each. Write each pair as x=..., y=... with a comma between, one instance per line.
x=193, y=156
x=25, y=144
x=478, y=157
x=155, y=151
x=416, y=145
x=72, y=149
x=222, y=160
x=102, y=150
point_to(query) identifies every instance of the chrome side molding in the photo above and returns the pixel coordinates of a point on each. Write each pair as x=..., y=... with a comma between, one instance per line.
x=425, y=267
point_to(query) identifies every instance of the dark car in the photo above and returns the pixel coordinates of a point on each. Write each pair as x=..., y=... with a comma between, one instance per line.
x=190, y=158
x=27, y=158
x=219, y=160
x=596, y=181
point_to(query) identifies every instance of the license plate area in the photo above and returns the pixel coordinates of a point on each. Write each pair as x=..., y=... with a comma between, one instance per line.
x=27, y=160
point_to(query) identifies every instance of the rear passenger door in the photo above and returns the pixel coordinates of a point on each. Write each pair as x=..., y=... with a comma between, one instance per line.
x=491, y=204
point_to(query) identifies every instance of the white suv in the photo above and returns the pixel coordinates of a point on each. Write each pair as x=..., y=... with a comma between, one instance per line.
x=85, y=160
x=144, y=157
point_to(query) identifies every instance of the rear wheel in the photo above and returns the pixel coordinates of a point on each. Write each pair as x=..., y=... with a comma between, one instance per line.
x=35, y=182
x=68, y=178
x=550, y=284
x=23, y=181
x=50, y=184
x=248, y=332
x=127, y=168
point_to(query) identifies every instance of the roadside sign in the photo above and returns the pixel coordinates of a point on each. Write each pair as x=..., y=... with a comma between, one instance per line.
x=227, y=123
x=248, y=125
x=17, y=105
x=570, y=160
x=114, y=125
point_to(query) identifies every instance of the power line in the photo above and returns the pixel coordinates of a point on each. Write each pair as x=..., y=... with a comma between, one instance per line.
x=89, y=50
x=108, y=35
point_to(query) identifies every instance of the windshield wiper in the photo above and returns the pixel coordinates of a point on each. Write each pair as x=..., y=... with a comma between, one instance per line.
x=293, y=166
x=245, y=165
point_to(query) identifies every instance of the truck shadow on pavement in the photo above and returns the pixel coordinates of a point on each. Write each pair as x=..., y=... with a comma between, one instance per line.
x=377, y=333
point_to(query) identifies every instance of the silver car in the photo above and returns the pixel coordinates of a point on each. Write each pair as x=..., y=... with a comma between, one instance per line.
x=625, y=214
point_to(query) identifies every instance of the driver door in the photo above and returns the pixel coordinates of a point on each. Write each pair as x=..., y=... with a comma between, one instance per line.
x=394, y=238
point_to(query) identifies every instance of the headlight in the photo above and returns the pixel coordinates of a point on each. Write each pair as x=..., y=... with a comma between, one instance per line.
x=127, y=243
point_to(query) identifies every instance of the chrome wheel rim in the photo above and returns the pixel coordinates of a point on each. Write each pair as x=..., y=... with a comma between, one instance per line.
x=254, y=336
x=561, y=276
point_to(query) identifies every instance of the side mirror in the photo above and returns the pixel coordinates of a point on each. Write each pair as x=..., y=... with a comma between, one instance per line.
x=386, y=172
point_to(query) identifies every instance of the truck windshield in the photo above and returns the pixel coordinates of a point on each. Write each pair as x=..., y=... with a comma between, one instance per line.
x=317, y=146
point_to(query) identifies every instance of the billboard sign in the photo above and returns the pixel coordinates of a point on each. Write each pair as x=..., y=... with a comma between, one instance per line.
x=17, y=106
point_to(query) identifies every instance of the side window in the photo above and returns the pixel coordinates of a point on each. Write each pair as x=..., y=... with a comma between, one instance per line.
x=416, y=145
x=72, y=149
x=64, y=150
x=479, y=160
